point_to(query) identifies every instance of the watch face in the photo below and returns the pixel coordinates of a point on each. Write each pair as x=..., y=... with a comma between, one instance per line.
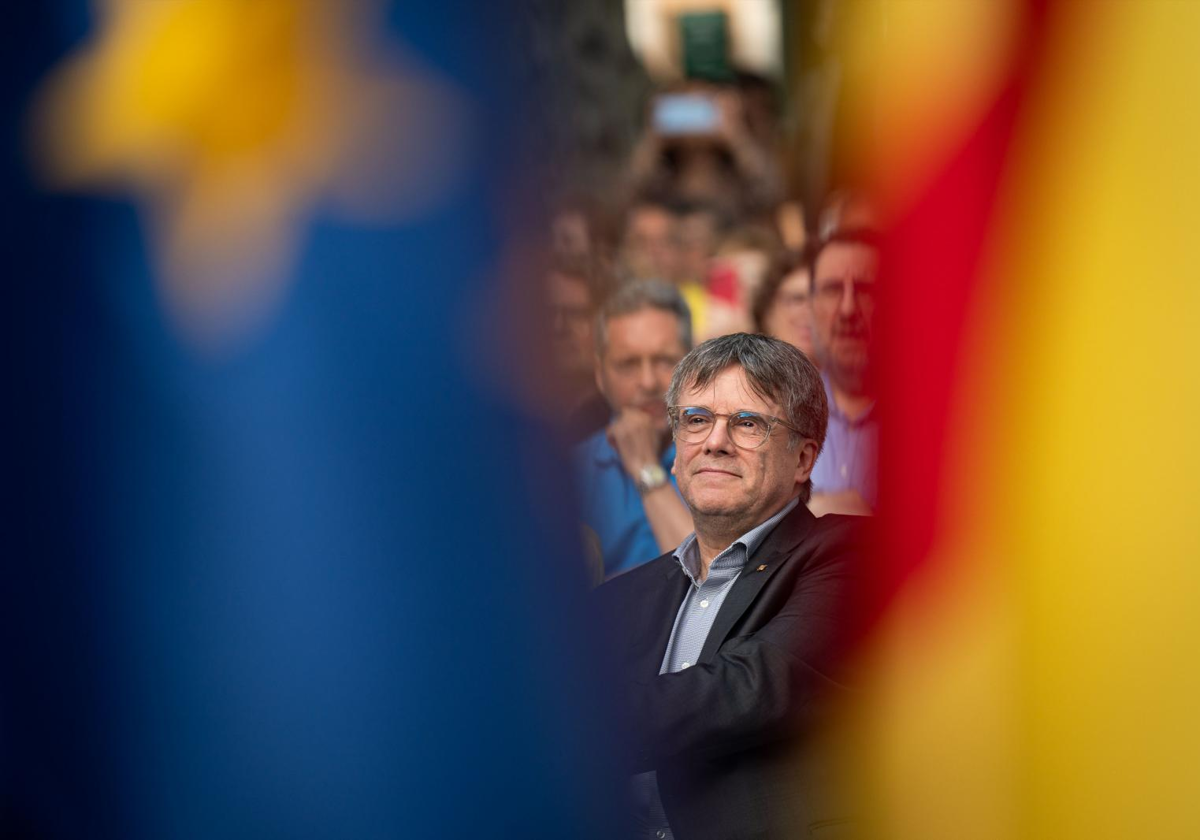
x=651, y=476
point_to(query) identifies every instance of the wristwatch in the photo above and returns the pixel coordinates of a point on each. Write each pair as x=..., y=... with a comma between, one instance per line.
x=650, y=477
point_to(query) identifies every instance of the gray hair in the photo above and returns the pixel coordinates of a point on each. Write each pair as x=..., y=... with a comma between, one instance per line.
x=775, y=370
x=644, y=294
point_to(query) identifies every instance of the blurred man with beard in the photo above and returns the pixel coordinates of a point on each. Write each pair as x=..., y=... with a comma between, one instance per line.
x=844, y=268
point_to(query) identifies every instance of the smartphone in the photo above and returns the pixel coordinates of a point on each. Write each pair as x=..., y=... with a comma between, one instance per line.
x=685, y=113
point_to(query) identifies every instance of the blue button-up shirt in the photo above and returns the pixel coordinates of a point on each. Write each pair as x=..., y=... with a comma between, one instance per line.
x=847, y=461
x=692, y=625
x=612, y=506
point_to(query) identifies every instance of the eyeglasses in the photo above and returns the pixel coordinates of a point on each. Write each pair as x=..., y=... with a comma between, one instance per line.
x=830, y=292
x=747, y=429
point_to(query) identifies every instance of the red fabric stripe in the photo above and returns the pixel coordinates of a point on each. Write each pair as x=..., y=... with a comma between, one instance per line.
x=932, y=262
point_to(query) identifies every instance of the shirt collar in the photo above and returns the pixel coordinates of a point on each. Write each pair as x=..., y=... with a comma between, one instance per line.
x=738, y=553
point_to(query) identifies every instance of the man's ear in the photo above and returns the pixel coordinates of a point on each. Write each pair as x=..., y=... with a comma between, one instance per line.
x=806, y=459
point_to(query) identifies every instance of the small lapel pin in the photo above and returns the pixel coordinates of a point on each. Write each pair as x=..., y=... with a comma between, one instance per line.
x=763, y=567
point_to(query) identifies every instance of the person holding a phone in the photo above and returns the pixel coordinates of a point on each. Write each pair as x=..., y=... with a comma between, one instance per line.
x=698, y=148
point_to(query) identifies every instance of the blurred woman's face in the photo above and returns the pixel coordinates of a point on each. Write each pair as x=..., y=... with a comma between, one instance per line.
x=790, y=317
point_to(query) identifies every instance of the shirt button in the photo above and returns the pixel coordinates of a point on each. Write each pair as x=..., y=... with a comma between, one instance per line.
x=843, y=470
x=704, y=603
x=660, y=834
x=685, y=665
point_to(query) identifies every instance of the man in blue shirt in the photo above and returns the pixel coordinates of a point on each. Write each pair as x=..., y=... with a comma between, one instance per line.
x=627, y=494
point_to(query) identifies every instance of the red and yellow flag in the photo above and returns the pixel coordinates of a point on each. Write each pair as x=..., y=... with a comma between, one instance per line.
x=1039, y=165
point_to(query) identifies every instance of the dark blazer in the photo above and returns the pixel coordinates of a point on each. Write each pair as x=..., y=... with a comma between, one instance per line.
x=733, y=738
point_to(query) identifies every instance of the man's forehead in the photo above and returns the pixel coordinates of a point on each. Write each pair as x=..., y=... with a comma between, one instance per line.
x=838, y=256
x=729, y=390
x=645, y=330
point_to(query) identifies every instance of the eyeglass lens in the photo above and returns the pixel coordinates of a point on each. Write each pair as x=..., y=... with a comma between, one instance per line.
x=746, y=428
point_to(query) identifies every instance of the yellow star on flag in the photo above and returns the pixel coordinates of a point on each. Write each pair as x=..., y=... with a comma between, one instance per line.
x=230, y=122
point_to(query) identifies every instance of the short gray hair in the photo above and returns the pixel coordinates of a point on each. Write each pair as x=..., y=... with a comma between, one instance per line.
x=775, y=370
x=644, y=294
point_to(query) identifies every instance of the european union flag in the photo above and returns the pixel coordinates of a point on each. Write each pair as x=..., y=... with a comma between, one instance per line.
x=285, y=557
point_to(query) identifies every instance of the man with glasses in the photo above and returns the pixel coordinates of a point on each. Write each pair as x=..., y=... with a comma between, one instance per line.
x=731, y=644
x=844, y=268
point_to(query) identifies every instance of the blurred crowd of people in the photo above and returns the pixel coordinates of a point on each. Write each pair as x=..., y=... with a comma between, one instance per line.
x=700, y=239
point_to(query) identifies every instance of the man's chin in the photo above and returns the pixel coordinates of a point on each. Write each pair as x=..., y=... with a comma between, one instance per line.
x=852, y=361
x=850, y=347
x=701, y=504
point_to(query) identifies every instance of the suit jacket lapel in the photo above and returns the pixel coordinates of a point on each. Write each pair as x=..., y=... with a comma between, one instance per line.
x=774, y=552
x=662, y=605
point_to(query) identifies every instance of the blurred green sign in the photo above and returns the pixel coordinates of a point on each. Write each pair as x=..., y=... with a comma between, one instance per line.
x=705, y=39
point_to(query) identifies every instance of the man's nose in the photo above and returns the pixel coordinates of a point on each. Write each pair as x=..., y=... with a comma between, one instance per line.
x=718, y=439
x=647, y=381
x=849, y=302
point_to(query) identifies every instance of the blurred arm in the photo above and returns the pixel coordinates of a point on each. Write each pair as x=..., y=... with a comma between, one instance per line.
x=842, y=501
x=639, y=442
